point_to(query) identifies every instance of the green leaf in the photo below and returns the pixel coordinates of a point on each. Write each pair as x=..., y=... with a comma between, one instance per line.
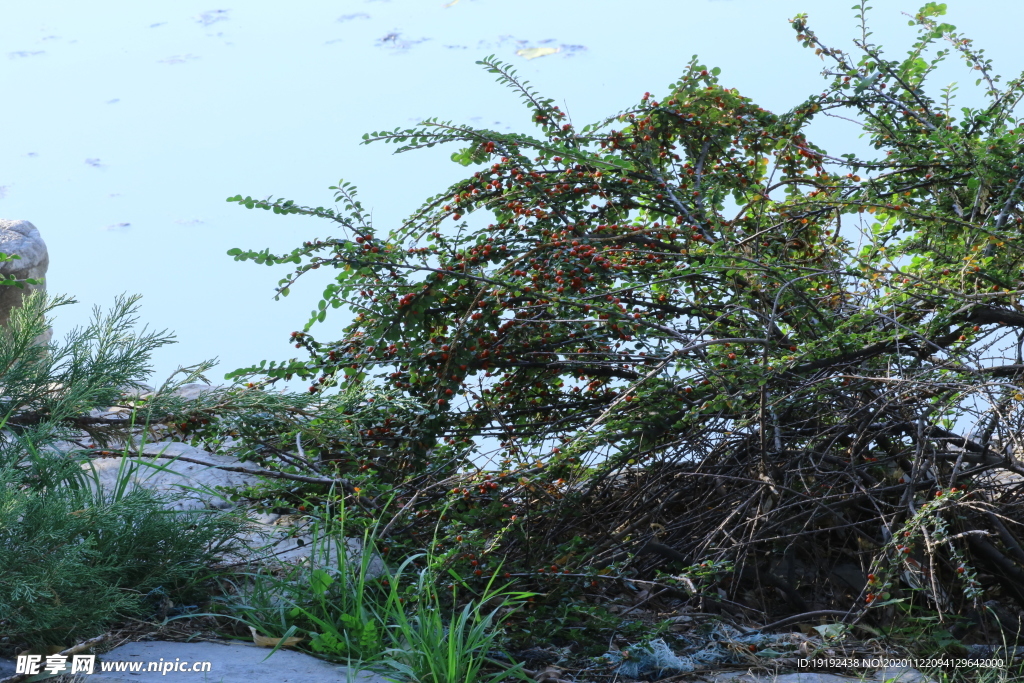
x=471, y=155
x=319, y=581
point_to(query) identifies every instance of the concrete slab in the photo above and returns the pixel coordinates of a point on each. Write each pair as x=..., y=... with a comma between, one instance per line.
x=229, y=663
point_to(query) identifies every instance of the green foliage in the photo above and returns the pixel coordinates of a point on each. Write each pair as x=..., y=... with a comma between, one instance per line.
x=10, y=282
x=452, y=648
x=76, y=561
x=78, y=558
x=337, y=605
x=381, y=619
x=348, y=638
x=691, y=289
x=922, y=632
x=46, y=392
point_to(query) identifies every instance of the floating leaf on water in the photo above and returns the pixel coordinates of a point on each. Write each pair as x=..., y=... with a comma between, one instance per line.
x=534, y=52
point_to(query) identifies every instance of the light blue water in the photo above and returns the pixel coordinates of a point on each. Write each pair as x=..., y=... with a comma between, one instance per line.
x=126, y=124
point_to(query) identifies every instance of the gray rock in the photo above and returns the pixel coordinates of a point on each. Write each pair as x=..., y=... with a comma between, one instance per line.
x=195, y=482
x=22, y=239
x=271, y=538
x=192, y=476
x=7, y=667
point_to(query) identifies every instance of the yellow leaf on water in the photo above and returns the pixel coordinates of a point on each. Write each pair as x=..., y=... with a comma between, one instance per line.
x=450, y=4
x=534, y=52
x=264, y=641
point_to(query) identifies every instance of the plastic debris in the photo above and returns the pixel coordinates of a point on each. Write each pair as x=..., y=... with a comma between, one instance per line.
x=722, y=645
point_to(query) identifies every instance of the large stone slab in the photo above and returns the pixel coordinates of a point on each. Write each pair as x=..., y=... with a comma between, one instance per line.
x=271, y=538
x=191, y=483
x=192, y=476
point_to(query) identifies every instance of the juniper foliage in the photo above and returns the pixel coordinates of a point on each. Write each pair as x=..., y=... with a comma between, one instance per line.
x=77, y=557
